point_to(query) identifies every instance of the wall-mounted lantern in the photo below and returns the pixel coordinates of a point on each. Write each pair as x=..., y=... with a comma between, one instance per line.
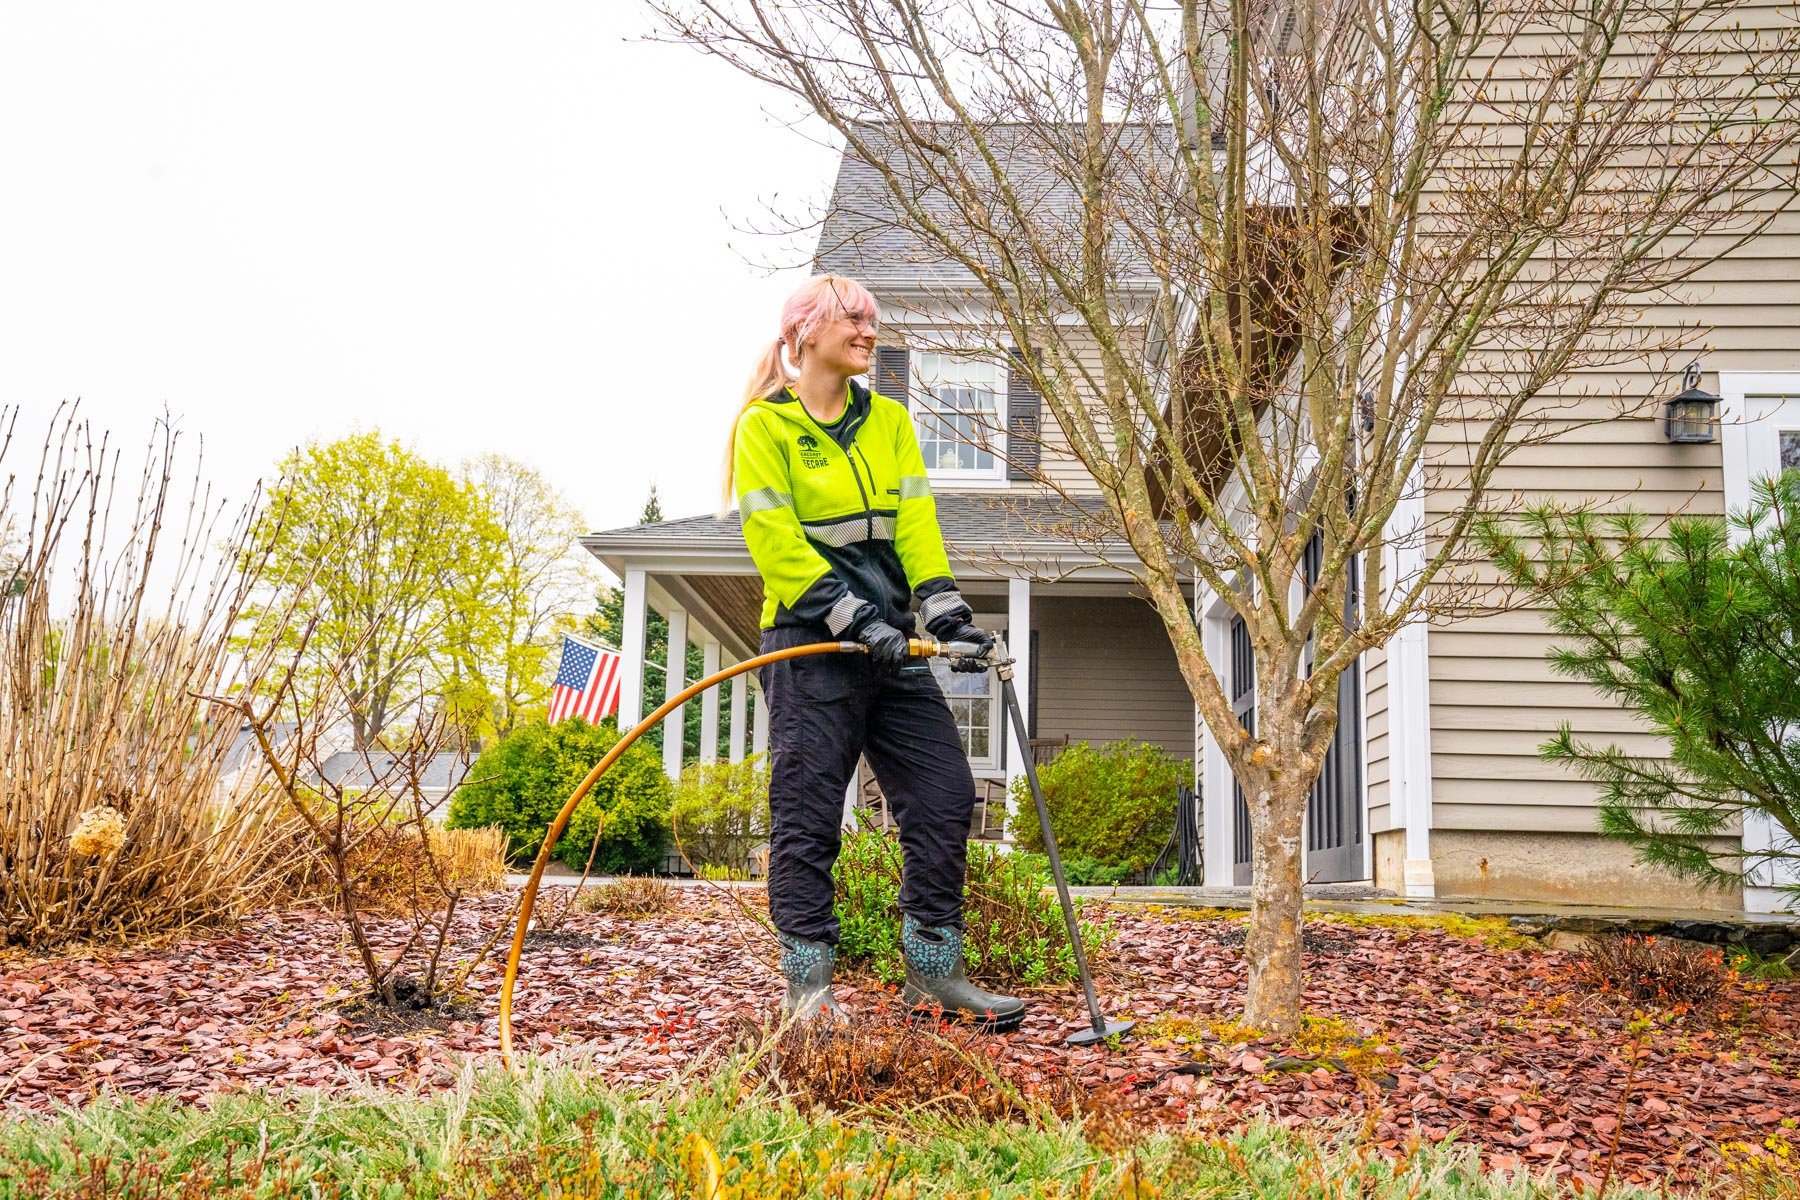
x=1693, y=416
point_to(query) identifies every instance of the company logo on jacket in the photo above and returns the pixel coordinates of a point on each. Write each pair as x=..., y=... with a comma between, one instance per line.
x=809, y=450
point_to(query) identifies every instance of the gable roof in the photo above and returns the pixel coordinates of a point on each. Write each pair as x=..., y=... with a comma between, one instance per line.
x=864, y=234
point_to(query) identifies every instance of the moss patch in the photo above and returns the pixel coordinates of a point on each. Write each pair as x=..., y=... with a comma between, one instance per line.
x=1177, y=912
x=1492, y=930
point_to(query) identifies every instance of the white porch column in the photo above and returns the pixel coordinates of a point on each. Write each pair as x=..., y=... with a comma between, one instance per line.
x=740, y=711
x=759, y=742
x=631, y=646
x=675, y=724
x=1214, y=773
x=709, y=701
x=1018, y=643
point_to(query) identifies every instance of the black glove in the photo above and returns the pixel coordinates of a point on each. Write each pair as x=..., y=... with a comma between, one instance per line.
x=887, y=645
x=958, y=629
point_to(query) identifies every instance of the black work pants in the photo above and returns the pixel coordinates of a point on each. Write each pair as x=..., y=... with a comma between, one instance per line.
x=824, y=711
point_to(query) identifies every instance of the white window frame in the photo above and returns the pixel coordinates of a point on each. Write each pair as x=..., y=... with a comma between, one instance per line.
x=988, y=764
x=946, y=366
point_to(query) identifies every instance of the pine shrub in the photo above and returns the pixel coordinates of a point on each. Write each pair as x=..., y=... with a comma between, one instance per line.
x=1696, y=628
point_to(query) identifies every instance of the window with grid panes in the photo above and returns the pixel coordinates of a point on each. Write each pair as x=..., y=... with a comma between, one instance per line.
x=975, y=705
x=959, y=410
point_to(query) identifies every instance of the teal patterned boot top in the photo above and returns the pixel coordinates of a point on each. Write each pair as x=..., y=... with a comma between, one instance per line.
x=807, y=968
x=937, y=987
x=935, y=953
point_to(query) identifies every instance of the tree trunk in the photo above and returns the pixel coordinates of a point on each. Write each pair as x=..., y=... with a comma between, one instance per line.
x=1272, y=950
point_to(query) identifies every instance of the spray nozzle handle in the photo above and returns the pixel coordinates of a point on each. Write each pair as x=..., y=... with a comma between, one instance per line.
x=932, y=648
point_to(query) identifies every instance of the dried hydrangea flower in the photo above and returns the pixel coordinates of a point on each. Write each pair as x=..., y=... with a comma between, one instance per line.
x=98, y=831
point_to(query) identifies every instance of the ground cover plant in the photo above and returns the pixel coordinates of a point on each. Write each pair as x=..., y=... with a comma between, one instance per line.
x=628, y=896
x=1497, y=1046
x=1014, y=932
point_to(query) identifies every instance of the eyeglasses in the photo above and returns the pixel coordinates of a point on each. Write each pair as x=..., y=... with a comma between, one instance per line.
x=862, y=321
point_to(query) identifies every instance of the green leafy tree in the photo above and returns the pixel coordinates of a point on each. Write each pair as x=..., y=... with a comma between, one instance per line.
x=1113, y=805
x=1699, y=635
x=520, y=783
x=537, y=592
x=385, y=559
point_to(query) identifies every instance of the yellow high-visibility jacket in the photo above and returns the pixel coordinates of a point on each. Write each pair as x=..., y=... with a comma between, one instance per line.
x=844, y=529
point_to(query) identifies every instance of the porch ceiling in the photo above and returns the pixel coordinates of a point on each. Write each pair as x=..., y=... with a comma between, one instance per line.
x=736, y=600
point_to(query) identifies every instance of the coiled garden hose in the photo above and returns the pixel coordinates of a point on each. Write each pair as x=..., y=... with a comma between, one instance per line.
x=917, y=647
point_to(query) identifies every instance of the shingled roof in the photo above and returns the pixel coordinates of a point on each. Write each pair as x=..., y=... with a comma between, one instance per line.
x=974, y=524
x=866, y=237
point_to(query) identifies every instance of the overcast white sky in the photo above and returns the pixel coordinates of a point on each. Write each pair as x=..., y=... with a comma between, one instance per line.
x=505, y=227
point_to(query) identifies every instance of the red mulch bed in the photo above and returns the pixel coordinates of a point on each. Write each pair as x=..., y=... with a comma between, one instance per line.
x=1490, y=1044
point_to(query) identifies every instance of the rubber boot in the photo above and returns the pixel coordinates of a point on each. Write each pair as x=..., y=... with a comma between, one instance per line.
x=807, y=968
x=935, y=984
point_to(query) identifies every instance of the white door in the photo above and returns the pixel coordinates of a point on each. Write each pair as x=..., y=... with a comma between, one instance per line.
x=1760, y=435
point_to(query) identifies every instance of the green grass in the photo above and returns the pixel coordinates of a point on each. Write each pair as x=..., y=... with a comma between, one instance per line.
x=555, y=1131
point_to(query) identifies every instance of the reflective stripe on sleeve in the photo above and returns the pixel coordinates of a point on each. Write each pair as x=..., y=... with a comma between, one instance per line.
x=941, y=603
x=914, y=486
x=762, y=500
x=842, y=613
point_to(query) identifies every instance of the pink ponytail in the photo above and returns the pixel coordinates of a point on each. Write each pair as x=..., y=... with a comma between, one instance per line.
x=820, y=299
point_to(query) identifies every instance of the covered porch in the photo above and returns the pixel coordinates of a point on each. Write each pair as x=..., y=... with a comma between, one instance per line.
x=1094, y=664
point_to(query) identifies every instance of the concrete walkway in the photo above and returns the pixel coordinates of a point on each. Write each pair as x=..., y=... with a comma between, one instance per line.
x=1368, y=900
x=1766, y=933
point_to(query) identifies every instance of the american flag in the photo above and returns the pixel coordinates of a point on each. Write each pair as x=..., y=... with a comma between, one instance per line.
x=587, y=683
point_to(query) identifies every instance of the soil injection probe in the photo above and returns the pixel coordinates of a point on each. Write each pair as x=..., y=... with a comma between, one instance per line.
x=1099, y=1027
x=917, y=648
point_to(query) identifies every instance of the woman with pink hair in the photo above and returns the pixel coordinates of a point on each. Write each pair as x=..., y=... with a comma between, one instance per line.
x=839, y=517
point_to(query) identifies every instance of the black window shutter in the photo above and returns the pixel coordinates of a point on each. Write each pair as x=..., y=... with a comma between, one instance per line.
x=891, y=369
x=1024, y=408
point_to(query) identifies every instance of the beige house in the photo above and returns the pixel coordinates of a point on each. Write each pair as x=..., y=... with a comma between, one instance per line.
x=1435, y=786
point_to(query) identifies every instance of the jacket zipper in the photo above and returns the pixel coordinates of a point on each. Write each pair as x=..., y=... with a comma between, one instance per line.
x=868, y=507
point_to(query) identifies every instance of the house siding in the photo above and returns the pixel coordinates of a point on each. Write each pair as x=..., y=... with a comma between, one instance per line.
x=1105, y=671
x=1494, y=697
x=1057, y=465
x=1376, y=770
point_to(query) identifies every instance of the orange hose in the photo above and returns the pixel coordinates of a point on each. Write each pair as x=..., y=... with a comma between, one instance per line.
x=918, y=647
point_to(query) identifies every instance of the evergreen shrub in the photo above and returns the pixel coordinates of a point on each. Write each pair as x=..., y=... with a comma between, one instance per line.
x=1113, y=805
x=522, y=781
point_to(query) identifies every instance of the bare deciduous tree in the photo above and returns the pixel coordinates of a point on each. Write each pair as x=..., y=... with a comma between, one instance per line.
x=365, y=820
x=1281, y=270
